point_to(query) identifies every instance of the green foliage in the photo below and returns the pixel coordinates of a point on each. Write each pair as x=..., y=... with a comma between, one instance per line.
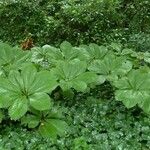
x=49, y=123
x=74, y=75
x=138, y=15
x=30, y=81
x=87, y=66
x=27, y=89
x=9, y=61
x=134, y=89
x=26, y=16
x=24, y=89
x=79, y=22
x=140, y=41
x=93, y=124
x=111, y=67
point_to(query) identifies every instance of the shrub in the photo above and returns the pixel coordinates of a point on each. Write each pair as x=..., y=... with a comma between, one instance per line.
x=74, y=21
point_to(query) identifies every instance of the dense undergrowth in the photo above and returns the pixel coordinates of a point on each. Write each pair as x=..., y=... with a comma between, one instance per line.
x=79, y=22
x=85, y=96
x=94, y=124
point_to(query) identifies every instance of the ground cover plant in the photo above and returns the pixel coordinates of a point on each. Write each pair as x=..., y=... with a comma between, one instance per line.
x=89, y=93
x=94, y=124
x=31, y=81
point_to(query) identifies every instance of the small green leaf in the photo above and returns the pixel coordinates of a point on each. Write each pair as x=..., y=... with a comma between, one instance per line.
x=79, y=85
x=18, y=108
x=87, y=77
x=68, y=51
x=16, y=80
x=52, y=127
x=65, y=85
x=70, y=70
x=28, y=75
x=5, y=100
x=97, y=52
x=40, y=101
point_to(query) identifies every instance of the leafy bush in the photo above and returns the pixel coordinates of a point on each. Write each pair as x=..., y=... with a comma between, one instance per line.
x=79, y=22
x=19, y=20
x=137, y=15
x=140, y=41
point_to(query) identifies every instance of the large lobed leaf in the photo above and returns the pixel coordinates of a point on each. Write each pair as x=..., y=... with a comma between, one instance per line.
x=74, y=75
x=12, y=58
x=92, y=52
x=111, y=67
x=134, y=90
x=26, y=89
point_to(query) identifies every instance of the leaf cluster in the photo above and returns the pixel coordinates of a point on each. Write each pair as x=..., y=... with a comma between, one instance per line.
x=29, y=79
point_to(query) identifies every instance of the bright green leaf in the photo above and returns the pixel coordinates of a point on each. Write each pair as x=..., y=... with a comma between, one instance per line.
x=52, y=127
x=19, y=108
x=40, y=101
x=134, y=90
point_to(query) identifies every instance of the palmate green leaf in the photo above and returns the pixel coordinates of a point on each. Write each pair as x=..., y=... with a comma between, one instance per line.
x=111, y=67
x=40, y=101
x=7, y=54
x=68, y=51
x=74, y=75
x=81, y=82
x=52, y=127
x=79, y=85
x=134, y=90
x=92, y=52
x=31, y=81
x=83, y=53
x=54, y=54
x=65, y=85
x=28, y=75
x=49, y=122
x=26, y=88
x=18, y=108
x=70, y=70
x=97, y=52
x=15, y=80
x=39, y=53
x=21, y=59
x=8, y=89
x=46, y=53
x=87, y=77
x=12, y=58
